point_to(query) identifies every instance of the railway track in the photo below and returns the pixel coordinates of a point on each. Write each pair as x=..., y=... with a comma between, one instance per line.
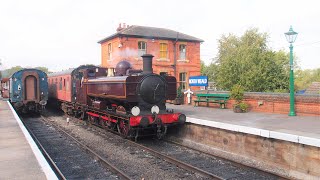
x=197, y=161
x=69, y=158
x=135, y=150
x=45, y=153
x=221, y=168
x=194, y=161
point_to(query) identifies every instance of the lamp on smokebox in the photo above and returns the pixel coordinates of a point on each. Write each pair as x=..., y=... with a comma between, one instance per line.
x=291, y=38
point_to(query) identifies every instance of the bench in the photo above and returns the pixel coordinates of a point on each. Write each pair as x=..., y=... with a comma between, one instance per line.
x=220, y=99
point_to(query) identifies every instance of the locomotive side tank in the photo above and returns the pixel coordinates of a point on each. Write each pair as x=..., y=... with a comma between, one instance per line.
x=29, y=90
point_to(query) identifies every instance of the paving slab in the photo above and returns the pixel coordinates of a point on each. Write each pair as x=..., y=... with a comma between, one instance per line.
x=300, y=129
x=20, y=158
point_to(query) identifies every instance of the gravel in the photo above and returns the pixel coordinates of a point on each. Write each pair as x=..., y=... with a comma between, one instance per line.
x=72, y=161
x=136, y=163
x=214, y=165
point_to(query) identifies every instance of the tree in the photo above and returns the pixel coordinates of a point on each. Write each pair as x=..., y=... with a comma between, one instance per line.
x=304, y=78
x=44, y=69
x=248, y=61
x=9, y=72
x=209, y=70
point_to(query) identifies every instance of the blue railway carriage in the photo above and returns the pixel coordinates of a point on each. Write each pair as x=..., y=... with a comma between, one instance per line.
x=29, y=90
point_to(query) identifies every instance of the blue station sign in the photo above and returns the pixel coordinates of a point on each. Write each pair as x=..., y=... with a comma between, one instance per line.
x=198, y=81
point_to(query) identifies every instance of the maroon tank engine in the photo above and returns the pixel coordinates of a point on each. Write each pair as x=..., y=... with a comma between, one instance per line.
x=133, y=102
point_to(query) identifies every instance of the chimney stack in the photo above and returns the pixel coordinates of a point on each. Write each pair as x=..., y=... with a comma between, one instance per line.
x=147, y=63
x=122, y=27
x=119, y=27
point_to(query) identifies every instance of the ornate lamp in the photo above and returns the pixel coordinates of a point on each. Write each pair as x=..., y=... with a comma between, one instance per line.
x=291, y=38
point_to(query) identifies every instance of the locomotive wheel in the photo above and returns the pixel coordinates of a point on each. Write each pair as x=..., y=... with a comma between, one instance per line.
x=69, y=111
x=79, y=114
x=123, y=129
x=113, y=126
x=91, y=120
x=103, y=124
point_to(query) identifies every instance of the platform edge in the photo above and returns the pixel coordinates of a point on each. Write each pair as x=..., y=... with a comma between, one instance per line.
x=45, y=167
x=258, y=132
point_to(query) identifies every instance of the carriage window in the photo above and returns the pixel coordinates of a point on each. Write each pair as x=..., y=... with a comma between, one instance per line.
x=142, y=48
x=60, y=84
x=67, y=85
x=64, y=82
x=182, y=79
x=163, y=50
x=182, y=50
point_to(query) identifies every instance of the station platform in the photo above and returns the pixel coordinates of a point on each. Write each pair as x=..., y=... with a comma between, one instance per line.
x=298, y=129
x=20, y=157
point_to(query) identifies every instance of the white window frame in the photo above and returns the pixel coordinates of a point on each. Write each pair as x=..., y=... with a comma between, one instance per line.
x=183, y=83
x=141, y=50
x=183, y=52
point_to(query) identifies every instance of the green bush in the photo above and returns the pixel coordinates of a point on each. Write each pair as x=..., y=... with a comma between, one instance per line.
x=179, y=92
x=243, y=106
x=237, y=93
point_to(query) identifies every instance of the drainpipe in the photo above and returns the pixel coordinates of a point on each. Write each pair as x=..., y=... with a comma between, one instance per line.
x=175, y=55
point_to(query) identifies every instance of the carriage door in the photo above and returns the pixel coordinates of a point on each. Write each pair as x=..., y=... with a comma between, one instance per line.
x=30, y=88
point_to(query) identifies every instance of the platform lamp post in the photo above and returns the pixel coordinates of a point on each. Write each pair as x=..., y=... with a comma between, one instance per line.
x=291, y=37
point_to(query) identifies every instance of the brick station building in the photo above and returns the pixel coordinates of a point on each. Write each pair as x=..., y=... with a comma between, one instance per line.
x=174, y=53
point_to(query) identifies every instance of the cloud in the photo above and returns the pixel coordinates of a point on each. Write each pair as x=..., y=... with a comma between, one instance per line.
x=61, y=34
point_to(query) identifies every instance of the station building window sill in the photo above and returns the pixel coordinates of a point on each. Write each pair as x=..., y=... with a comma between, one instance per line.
x=163, y=59
x=183, y=60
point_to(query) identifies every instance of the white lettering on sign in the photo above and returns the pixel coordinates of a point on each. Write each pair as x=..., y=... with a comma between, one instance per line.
x=198, y=81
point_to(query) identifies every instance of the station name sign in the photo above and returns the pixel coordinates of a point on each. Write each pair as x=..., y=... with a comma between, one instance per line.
x=198, y=81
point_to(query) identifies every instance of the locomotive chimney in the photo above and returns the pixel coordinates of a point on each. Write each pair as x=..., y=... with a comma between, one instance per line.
x=147, y=63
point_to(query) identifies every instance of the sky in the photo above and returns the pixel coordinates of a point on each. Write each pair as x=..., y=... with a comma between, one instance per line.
x=60, y=34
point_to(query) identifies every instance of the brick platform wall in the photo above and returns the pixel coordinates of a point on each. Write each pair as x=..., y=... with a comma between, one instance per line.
x=308, y=104
x=287, y=159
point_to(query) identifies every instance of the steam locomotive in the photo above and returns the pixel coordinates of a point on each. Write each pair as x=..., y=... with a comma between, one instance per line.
x=133, y=102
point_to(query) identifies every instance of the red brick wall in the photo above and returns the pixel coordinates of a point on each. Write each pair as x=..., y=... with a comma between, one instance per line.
x=276, y=103
x=129, y=51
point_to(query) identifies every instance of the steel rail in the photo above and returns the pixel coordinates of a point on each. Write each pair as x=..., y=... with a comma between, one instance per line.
x=185, y=165
x=177, y=162
x=223, y=158
x=180, y=163
x=100, y=159
x=169, y=159
x=54, y=167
